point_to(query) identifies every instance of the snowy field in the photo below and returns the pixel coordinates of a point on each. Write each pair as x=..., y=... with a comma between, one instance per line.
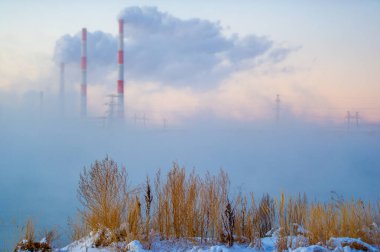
x=267, y=244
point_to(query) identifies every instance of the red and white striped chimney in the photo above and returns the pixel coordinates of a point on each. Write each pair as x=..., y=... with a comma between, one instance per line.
x=84, y=73
x=120, y=60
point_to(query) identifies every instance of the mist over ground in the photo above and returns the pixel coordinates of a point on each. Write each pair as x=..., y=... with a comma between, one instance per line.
x=42, y=158
x=195, y=94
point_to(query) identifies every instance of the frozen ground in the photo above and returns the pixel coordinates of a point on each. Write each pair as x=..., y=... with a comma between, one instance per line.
x=268, y=244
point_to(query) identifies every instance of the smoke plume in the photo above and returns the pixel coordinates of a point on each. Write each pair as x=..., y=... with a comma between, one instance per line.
x=162, y=48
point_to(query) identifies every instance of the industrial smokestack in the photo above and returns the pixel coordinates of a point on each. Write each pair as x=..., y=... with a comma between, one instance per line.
x=120, y=81
x=62, y=88
x=84, y=74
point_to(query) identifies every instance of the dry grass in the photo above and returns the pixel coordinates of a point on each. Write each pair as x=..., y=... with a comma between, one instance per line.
x=264, y=216
x=181, y=205
x=176, y=188
x=282, y=239
x=228, y=220
x=241, y=221
x=29, y=231
x=50, y=235
x=148, y=197
x=28, y=240
x=346, y=219
x=213, y=197
x=189, y=206
x=102, y=191
x=251, y=231
x=134, y=219
x=77, y=227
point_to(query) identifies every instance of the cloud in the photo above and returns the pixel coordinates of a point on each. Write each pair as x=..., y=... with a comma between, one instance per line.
x=248, y=47
x=162, y=48
x=280, y=54
x=101, y=49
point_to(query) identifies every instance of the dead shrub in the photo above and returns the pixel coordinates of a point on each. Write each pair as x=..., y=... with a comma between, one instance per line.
x=265, y=215
x=282, y=239
x=134, y=219
x=176, y=189
x=77, y=227
x=101, y=192
x=187, y=206
x=322, y=223
x=28, y=241
x=148, y=196
x=228, y=219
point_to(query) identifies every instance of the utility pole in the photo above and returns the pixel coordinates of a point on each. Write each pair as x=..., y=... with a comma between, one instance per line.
x=110, y=111
x=357, y=117
x=101, y=121
x=165, y=123
x=144, y=119
x=112, y=104
x=348, y=119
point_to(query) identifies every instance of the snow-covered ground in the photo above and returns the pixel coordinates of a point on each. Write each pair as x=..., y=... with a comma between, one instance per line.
x=267, y=244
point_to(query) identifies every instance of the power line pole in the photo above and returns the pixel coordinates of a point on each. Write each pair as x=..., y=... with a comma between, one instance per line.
x=102, y=121
x=357, y=117
x=348, y=119
x=144, y=119
x=165, y=123
x=137, y=118
x=110, y=111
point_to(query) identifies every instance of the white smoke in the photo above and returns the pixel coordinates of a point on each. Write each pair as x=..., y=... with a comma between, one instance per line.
x=101, y=49
x=162, y=48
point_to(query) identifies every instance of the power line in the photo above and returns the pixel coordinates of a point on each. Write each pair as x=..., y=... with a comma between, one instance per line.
x=142, y=118
x=350, y=118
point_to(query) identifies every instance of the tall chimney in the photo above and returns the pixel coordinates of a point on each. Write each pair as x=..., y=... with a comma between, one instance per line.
x=62, y=88
x=84, y=74
x=120, y=81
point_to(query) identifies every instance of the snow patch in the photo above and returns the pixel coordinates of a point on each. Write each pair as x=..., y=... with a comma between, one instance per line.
x=342, y=244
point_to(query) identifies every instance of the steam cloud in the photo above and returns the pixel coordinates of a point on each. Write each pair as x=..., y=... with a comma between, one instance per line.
x=161, y=47
x=43, y=156
x=101, y=48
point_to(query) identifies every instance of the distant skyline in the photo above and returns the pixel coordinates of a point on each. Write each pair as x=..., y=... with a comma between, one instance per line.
x=332, y=69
